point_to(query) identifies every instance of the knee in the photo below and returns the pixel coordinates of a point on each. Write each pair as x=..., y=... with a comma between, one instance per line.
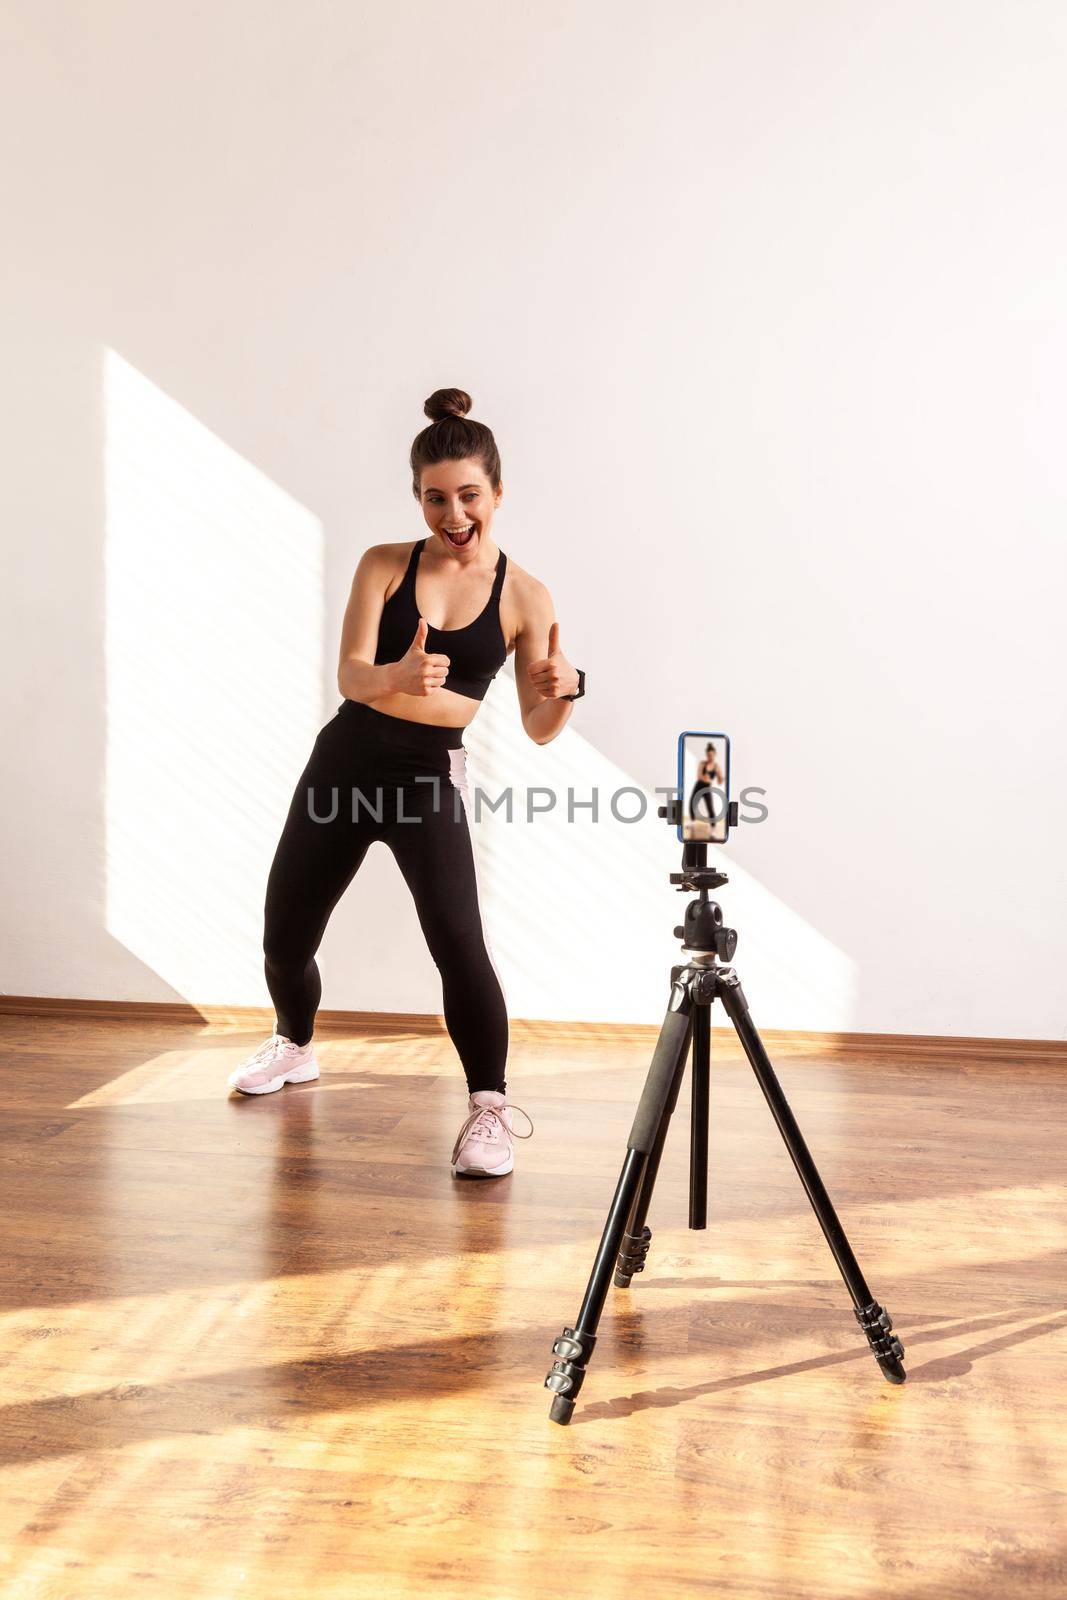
x=285, y=951
x=460, y=959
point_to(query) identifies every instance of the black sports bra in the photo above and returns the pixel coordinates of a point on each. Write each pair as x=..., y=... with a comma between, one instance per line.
x=476, y=652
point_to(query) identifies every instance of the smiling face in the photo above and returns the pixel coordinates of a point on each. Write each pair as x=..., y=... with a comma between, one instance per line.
x=457, y=496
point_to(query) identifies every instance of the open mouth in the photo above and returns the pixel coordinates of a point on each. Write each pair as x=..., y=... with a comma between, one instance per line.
x=458, y=538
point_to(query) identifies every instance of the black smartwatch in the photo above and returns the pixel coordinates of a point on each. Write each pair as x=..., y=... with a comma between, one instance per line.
x=580, y=690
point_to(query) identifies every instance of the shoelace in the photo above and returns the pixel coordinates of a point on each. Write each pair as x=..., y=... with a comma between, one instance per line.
x=275, y=1045
x=475, y=1126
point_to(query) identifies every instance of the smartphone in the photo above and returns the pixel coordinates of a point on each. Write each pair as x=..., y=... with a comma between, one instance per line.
x=704, y=786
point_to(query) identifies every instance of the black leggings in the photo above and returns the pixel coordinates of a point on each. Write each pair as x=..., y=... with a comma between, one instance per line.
x=404, y=782
x=702, y=792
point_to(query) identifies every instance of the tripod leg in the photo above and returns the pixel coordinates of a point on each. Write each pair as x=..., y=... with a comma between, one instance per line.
x=638, y=1237
x=698, y=1117
x=872, y=1317
x=575, y=1346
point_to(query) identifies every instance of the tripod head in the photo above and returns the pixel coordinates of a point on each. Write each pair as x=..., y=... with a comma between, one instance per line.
x=703, y=932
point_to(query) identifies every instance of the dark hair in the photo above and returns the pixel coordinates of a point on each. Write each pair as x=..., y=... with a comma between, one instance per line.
x=451, y=436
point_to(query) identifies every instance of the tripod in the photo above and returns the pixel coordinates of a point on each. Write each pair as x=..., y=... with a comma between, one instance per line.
x=695, y=985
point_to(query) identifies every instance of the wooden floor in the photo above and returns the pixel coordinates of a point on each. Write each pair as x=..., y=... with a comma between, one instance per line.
x=270, y=1347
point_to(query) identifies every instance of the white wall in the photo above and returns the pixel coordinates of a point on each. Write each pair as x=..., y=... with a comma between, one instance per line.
x=766, y=306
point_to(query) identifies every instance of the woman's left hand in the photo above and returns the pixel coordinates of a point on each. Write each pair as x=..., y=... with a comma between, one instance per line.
x=553, y=676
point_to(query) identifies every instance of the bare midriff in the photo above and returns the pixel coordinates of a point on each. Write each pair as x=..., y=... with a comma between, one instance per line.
x=441, y=709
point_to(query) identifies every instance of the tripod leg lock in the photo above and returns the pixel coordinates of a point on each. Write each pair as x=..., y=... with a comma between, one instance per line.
x=572, y=1350
x=631, y=1257
x=887, y=1349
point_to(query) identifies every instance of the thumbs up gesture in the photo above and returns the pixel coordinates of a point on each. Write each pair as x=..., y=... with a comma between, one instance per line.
x=418, y=672
x=553, y=676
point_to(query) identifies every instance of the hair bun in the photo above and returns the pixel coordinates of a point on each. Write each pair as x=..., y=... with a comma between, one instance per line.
x=447, y=403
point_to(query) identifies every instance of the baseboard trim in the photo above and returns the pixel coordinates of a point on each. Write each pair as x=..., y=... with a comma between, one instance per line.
x=245, y=1019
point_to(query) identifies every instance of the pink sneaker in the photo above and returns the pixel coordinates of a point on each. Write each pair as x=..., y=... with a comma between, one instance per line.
x=486, y=1144
x=274, y=1063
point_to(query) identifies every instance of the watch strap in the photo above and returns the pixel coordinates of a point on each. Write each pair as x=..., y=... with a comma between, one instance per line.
x=580, y=689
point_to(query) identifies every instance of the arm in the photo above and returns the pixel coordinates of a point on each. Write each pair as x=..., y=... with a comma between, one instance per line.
x=542, y=671
x=357, y=676
x=418, y=672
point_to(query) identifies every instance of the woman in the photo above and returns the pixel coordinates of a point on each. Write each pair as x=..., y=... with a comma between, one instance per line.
x=708, y=772
x=395, y=747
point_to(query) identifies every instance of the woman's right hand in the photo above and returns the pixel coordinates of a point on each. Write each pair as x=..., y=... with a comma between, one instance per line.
x=417, y=672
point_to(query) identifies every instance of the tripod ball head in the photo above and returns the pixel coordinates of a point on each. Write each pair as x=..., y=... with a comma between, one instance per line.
x=703, y=929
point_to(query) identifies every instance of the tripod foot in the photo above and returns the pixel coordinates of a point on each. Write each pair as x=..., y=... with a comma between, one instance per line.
x=886, y=1348
x=631, y=1257
x=567, y=1374
x=561, y=1409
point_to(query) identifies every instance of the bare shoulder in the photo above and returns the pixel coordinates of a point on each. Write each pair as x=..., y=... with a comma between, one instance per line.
x=525, y=605
x=382, y=566
x=379, y=557
x=529, y=597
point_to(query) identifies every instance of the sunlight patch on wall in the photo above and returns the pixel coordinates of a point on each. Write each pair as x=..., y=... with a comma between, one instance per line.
x=213, y=663
x=581, y=915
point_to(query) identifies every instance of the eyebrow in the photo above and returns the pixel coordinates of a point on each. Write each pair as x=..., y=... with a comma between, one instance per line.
x=433, y=489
